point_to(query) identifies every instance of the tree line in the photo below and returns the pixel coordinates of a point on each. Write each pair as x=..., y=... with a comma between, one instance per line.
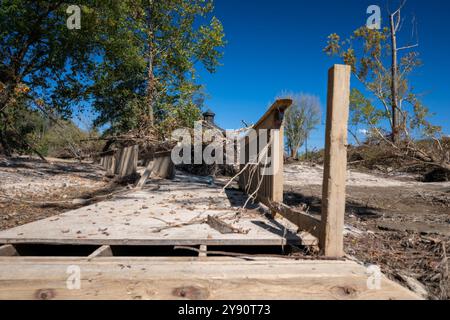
x=134, y=61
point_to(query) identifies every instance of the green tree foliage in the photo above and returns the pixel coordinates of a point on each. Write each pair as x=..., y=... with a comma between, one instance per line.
x=300, y=119
x=369, y=53
x=42, y=62
x=385, y=70
x=134, y=61
x=64, y=139
x=155, y=80
x=40, y=57
x=362, y=113
x=27, y=129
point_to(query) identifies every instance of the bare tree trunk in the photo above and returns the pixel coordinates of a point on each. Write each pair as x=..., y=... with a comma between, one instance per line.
x=4, y=143
x=293, y=153
x=394, y=81
x=306, y=148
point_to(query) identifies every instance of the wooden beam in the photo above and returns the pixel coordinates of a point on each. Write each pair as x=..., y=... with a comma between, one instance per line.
x=267, y=185
x=8, y=250
x=192, y=278
x=335, y=167
x=279, y=105
x=203, y=251
x=127, y=165
x=110, y=165
x=163, y=167
x=303, y=221
x=146, y=175
x=103, y=251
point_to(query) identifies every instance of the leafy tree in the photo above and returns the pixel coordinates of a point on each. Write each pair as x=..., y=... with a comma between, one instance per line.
x=154, y=82
x=300, y=119
x=385, y=69
x=378, y=63
x=29, y=127
x=42, y=60
x=64, y=139
x=131, y=59
x=362, y=113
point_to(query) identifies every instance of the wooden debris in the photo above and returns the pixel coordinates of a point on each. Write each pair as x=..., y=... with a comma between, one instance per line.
x=103, y=251
x=223, y=227
x=8, y=250
x=414, y=285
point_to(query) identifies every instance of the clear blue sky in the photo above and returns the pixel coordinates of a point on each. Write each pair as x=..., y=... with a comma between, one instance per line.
x=277, y=45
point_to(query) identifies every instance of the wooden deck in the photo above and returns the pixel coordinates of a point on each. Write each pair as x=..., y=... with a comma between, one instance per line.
x=171, y=213
x=163, y=213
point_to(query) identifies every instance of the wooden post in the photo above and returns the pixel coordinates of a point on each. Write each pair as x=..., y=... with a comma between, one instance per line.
x=111, y=166
x=278, y=159
x=128, y=161
x=335, y=167
x=269, y=187
x=118, y=157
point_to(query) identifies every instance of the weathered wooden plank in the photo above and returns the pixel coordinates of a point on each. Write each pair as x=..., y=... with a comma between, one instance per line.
x=220, y=226
x=303, y=221
x=8, y=250
x=118, y=158
x=164, y=167
x=230, y=240
x=127, y=160
x=124, y=278
x=103, y=251
x=110, y=165
x=335, y=166
x=281, y=104
x=203, y=251
x=124, y=158
x=155, y=216
x=145, y=175
x=270, y=184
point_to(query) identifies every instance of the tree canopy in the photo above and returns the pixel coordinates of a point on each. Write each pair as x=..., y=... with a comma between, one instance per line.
x=155, y=79
x=385, y=70
x=134, y=62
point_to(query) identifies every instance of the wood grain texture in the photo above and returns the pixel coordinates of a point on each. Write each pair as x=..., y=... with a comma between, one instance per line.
x=103, y=251
x=303, y=221
x=268, y=184
x=163, y=213
x=191, y=278
x=335, y=161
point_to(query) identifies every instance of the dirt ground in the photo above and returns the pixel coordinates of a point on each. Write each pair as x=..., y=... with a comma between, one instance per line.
x=31, y=189
x=395, y=222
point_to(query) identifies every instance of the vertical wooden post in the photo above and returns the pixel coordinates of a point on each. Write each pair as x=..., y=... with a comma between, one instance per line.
x=278, y=158
x=335, y=170
x=111, y=166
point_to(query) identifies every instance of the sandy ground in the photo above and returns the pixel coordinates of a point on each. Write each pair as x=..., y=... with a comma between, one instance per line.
x=35, y=177
x=309, y=175
x=31, y=189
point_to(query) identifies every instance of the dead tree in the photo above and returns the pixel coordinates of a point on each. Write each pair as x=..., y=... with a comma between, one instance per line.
x=395, y=19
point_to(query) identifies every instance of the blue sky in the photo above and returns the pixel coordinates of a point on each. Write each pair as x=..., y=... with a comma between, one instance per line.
x=277, y=45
